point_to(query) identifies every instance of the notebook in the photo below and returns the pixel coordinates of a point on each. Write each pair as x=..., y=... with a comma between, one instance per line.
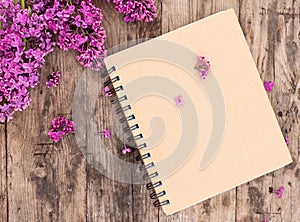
x=197, y=137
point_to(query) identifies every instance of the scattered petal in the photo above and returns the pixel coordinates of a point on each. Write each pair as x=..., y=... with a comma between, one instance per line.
x=107, y=91
x=268, y=85
x=278, y=192
x=179, y=101
x=287, y=141
x=106, y=133
x=126, y=149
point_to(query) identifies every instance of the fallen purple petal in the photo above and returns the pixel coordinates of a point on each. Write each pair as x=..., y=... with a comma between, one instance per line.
x=278, y=192
x=287, y=141
x=268, y=85
x=106, y=133
x=179, y=101
x=125, y=149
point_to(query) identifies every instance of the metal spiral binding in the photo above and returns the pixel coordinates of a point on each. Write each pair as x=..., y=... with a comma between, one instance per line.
x=112, y=69
x=113, y=80
x=123, y=109
x=126, y=119
x=143, y=157
x=147, y=176
x=142, y=146
x=145, y=167
x=131, y=128
x=151, y=186
x=150, y=176
x=134, y=138
x=157, y=203
x=156, y=195
x=120, y=99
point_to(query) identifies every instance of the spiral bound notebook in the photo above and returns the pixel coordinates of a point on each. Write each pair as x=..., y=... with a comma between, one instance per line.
x=221, y=133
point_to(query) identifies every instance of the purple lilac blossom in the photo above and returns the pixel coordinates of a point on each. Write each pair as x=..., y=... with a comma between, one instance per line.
x=203, y=66
x=28, y=35
x=60, y=126
x=136, y=10
x=53, y=80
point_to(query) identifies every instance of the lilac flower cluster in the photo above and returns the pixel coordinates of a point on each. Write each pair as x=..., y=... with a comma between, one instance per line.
x=53, y=79
x=29, y=31
x=203, y=67
x=79, y=28
x=136, y=10
x=60, y=126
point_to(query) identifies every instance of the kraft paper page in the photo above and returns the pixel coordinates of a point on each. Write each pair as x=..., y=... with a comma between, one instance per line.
x=251, y=143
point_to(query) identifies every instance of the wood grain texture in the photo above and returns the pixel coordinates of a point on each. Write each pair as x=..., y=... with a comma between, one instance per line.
x=108, y=199
x=3, y=184
x=43, y=181
x=272, y=31
x=46, y=181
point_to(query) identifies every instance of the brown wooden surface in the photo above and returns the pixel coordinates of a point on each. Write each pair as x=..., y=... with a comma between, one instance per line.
x=43, y=181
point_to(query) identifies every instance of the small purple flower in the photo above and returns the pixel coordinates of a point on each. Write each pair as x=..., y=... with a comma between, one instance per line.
x=203, y=66
x=4, y=108
x=278, y=192
x=107, y=91
x=79, y=40
x=106, y=133
x=269, y=85
x=77, y=21
x=60, y=126
x=55, y=136
x=54, y=79
x=125, y=149
x=22, y=17
x=287, y=141
x=65, y=40
x=179, y=101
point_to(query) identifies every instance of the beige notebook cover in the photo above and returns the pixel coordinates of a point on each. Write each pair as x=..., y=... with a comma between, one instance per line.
x=224, y=134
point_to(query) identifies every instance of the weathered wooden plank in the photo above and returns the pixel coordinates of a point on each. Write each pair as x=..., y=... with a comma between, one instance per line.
x=107, y=199
x=72, y=164
x=174, y=15
x=285, y=100
x=46, y=181
x=272, y=32
x=3, y=187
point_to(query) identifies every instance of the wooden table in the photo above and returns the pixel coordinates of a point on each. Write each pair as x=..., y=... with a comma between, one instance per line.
x=42, y=181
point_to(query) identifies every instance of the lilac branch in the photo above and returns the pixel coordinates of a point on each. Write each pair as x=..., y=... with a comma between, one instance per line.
x=136, y=10
x=23, y=4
